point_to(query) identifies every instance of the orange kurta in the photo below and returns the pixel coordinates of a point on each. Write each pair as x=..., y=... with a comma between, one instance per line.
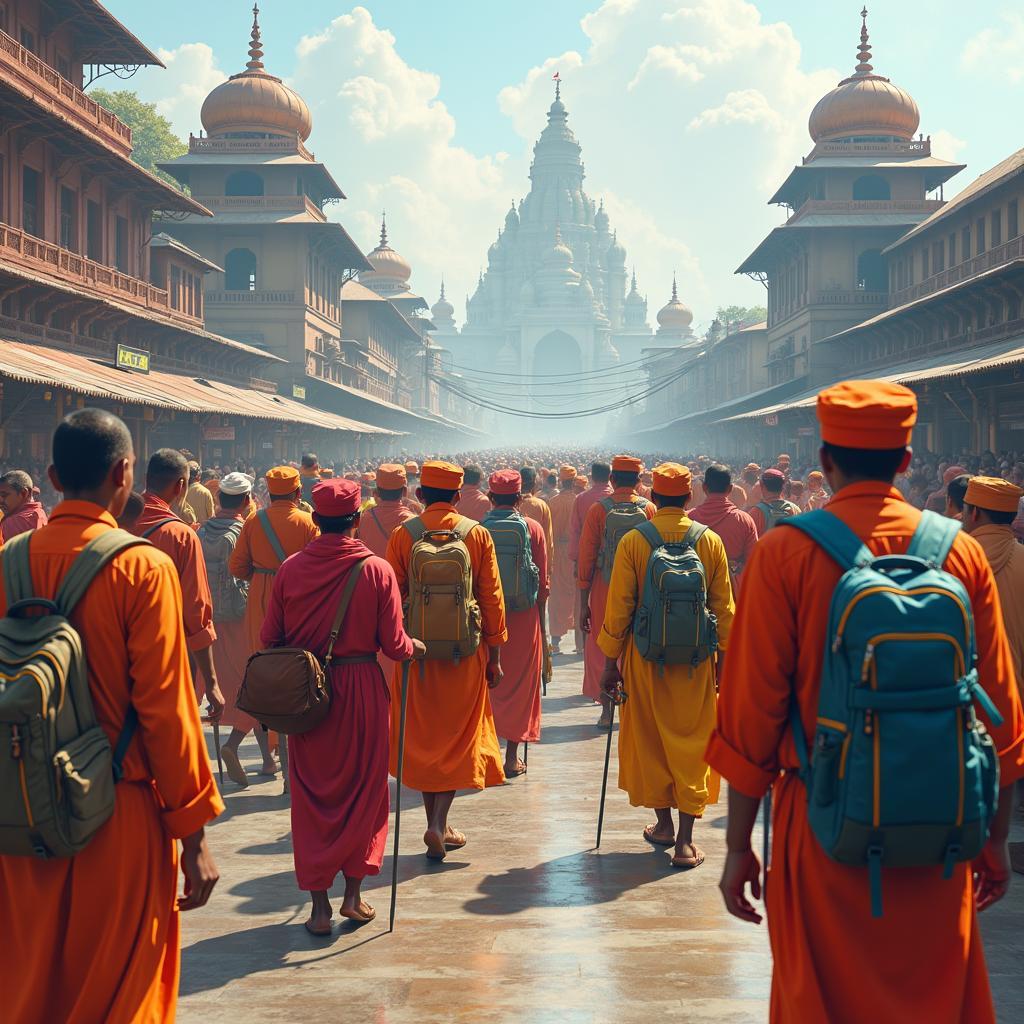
x=588, y=575
x=473, y=503
x=922, y=961
x=95, y=937
x=253, y=558
x=539, y=511
x=450, y=741
x=562, y=605
x=378, y=522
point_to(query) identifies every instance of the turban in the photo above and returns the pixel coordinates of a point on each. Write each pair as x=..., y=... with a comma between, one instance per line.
x=867, y=414
x=567, y=473
x=391, y=477
x=773, y=477
x=235, y=483
x=580, y=484
x=412, y=469
x=815, y=478
x=993, y=493
x=282, y=480
x=505, y=481
x=626, y=464
x=442, y=476
x=326, y=474
x=368, y=478
x=951, y=474
x=333, y=498
x=752, y=466
x=671, y=480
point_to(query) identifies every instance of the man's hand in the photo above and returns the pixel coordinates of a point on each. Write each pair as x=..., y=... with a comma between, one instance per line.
x=991, y=874
x=419, y=648
x=494, y=674
x=214, y=702
x=584, y=622
x=741, y=868
x=199, y=870
x=611, y=680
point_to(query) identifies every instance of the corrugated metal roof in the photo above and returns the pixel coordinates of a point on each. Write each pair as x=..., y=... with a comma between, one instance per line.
x=35, y=364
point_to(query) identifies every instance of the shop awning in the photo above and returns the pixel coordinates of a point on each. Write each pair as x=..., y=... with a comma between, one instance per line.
x=80, y=374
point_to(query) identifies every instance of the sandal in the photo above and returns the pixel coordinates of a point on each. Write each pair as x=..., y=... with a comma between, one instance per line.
x=520, y=769
x=654, y=840
x=318, y=932
x=357, y=917
x=454, y=839
x=689, y=863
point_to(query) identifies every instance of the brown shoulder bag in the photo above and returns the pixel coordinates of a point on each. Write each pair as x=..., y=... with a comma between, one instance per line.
x=286, y=688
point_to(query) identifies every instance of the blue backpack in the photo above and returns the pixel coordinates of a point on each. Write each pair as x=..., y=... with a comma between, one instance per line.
x=520, y=577
x=902, y=773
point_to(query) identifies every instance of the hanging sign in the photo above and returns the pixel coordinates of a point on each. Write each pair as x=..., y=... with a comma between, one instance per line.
x=134, y=359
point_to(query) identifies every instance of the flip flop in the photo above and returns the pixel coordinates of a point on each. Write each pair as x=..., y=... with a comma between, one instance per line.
x=354, y=915
x=649, y=836
x=318, y=932
x=435, y=845
x=689, y=863
x=520, y=769
x=236, y=773
x=456, y=841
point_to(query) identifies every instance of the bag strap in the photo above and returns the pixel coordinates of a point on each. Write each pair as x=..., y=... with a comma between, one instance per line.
x=124, y=739
x=464, y=527
x=346, y=600
x=607, y=504
x=268, y=529
x=416, y=528
x=933, y=538
x=831, y=534
x=149, y=531
x=694, y=534
x=376, y=519
x=91, y=559
x=650, y=533
x=17, y=569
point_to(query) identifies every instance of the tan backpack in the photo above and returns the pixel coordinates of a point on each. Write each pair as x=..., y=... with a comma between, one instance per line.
x=441, y=609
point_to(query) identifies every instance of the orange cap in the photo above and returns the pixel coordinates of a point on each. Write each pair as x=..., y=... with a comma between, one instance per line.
x=443, y=476
x=869, y=414
x=626, y=464
x=815, y=477
x=391, y=477
x=368, y=478
x=412, y=469
x=672, y=480
x=282, y=480
x=326, y=474
x=505, y=481
x=567, y=473
x=993, y=493
x=580, y=483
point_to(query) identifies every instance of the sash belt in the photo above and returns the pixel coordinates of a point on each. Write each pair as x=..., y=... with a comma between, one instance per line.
x=362, y=659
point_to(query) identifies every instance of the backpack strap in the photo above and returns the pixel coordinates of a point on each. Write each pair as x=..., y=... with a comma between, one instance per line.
x=416, y=528
x=268, y=529
x=346, y=599
x=694, y=534
x=650, y=533
x=149, y=531
x=933, y=538
x=376, y=519
x=831, y=534
x=17, y=569
x=464, y=527
x=124, y=740
x=91, y=559
x=607, y=504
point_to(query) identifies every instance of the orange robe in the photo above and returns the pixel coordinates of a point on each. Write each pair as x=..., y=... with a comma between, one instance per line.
x=450, y=742
x=538, y=510
x=473, y=503
x=95, y=937
x=589, y=575
x=562, y=605
x=922, y=961
x=253, y=558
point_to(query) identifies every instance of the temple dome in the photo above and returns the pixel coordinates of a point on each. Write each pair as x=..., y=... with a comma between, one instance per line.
x=616, y=253
x=675, y=315
x=634, y=298
x=601, y=219
x=865, y=105
x=255, y=103
x=387, y=264
x=442, y=309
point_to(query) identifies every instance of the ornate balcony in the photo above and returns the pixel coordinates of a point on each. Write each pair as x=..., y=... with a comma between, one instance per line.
x=812, y=206
x=21, y=69
x=994, y=257
x=259, y=204
x=201, y=144
x=258, y=297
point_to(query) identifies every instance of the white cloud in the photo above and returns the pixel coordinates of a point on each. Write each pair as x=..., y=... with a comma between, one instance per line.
x=995, y=52
x=179, y=91
x=947, y=146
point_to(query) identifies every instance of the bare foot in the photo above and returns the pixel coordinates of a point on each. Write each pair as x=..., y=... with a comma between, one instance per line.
x=454, y=839
x=516, y=768
x=357, y=910
x=659, y=836
x=435, y=845
x=688, y=855
x=269, y=768
x=605, y=721
x=319, y=922
x=236, y=773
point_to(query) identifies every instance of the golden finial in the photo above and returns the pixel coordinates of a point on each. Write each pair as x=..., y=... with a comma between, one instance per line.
x=255, y=62
x=383, y=228
x=675, y=293
x=864, y=50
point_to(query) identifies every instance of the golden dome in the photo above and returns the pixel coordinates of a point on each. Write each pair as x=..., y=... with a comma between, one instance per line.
x=864, y=105
x=675, y=315
x=255, y=103
x=388, y=266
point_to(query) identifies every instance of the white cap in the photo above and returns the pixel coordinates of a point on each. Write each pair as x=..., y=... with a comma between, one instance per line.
x=235, y=483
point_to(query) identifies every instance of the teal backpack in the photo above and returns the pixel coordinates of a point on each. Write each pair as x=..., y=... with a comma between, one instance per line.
x=520, y=577
x=902, y=772
x=673, y=624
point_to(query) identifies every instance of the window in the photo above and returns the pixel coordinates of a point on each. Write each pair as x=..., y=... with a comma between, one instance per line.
x=925, y=264
x=872, y=275
x=175, y=286
x=938, y=256
x=121, y=246
x=240, y=271
x=69, y=219
x=965, y=243
x=243, y=183
x=63, y=67
x=1012, y=229
x=871, y=186
x=94, y=231
x=28, y=39
x=996, y=226
x=952, y=249
x=31, y=213
x=979, y=236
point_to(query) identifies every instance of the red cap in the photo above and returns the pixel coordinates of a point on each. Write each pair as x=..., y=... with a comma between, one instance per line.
x=505, y=481
x=773, y=474
x=334, y=498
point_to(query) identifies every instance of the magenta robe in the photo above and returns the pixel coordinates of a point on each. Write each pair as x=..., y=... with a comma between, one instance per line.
x=515, y=703
x=339, y=770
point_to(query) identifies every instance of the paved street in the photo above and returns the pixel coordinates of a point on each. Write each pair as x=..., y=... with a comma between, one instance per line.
x=526, y=924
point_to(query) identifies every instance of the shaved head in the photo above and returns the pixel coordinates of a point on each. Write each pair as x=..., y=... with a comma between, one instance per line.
x=166, y=467
x=86, y=445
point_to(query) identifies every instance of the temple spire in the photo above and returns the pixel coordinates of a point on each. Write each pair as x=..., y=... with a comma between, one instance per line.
x=383, y=228
x=255, y=62
x=864, y=50
x=442, y=289
x=558, y=86
x=675, y=293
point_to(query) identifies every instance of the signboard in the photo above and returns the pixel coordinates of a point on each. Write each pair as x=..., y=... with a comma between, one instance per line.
x=771, y=420
x=805, y=431
x=299, y=392
x=268, y=445
x=218, y=433
x=132, y=359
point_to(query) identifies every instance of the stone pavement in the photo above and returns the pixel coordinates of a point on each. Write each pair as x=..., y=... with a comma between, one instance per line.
x=527, y=924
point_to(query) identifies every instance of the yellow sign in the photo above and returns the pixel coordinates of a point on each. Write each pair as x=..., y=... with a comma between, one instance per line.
x=299, y=392
x=132, y=359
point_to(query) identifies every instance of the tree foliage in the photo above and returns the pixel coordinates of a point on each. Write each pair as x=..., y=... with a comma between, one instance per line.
x=726, y=315
x=153, y=138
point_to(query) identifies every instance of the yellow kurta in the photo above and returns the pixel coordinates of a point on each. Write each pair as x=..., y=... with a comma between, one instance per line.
x=668, y=717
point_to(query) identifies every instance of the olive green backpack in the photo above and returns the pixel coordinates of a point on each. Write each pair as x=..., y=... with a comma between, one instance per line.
x=57, y=769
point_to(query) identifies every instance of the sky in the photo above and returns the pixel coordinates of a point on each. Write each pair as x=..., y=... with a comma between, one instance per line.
x=689, y=112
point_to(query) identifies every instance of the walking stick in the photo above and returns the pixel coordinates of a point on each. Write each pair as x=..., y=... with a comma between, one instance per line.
x=620, y=698
x=398, y=792
x=545, y=670
x=216, y=746
x=766, y=814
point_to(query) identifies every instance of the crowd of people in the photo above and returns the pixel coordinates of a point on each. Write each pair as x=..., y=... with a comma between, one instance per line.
x=700, y=621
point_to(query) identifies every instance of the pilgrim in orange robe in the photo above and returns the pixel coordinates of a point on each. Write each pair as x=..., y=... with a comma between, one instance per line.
x=538, y=510
x=473, y=502
x=95, y=937
x=516, y=702
x=923, y=960
x=590, y=576
x=562, y=606
x=450, y=741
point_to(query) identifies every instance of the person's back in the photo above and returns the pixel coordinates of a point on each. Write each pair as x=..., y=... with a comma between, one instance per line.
x=200, y=498
x=536, y=508
x=719, y=512
x=561, y=606
x=599, y=487
x=833, y=960
x=473, y=503
x=130, y=622
x=773, y=507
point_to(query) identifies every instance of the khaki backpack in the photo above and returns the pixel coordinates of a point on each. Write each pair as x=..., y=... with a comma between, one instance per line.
x=441, y=609
x=57, y=769
x=619, y=518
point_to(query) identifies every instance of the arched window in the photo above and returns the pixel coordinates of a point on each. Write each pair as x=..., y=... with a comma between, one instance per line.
x=871, y=186
x=240, y=271
x=872, y=274
x=243, y=183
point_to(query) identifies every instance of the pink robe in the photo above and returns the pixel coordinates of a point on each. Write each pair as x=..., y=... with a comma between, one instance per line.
x=339, y=770
x=515, y=703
